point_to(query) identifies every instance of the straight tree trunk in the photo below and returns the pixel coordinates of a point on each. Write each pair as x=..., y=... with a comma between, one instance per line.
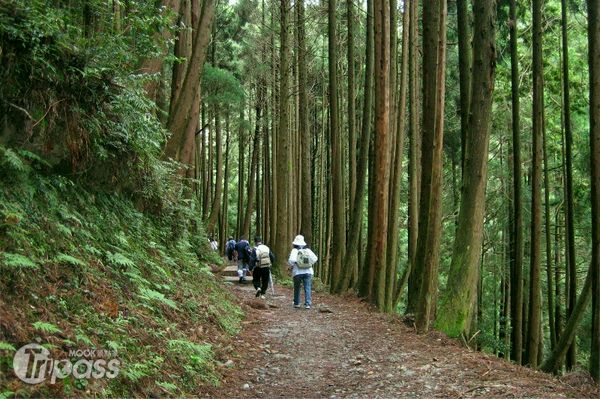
x=516, y=255
x=225, y=208
x=396, y=179
x=413, y=275
x=594, y=69
x=253, y=166
x=535, y=306
x=337, y=174
x=457, y=302
x=282, y=166
x=430, y=209
x=241, y=175
x=353, y=245
x=305, y=147
x=464, y=68
x=547, y=219
x=570, y=232
x=216, y=204
x=379, y=196
x=351, y=104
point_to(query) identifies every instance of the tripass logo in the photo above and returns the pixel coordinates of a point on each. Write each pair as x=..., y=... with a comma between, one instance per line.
x=32, y=364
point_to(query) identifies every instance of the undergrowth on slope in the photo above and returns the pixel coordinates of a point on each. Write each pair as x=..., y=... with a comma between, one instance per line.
x=83, y=269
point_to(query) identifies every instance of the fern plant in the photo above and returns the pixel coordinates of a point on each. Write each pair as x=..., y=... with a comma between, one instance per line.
x=18, y=261
x=47, y=328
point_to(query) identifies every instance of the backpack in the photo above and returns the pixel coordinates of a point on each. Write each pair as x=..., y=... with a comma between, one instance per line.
x=303, y=259
x=262, y=256
x=230, y=246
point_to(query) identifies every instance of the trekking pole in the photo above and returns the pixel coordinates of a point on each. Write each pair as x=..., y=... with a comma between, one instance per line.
x=271, y=282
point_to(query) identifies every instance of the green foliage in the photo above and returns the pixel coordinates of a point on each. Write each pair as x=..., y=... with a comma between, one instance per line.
x=6, y=394
x=152, y=295
x=118, y=259
x=221, y=87
x=132, y=281
x=17, y=261
x=68, y=259
x=44, y=327
x=5, y=346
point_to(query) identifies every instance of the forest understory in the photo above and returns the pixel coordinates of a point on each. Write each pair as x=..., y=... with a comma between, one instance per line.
x=343, y=348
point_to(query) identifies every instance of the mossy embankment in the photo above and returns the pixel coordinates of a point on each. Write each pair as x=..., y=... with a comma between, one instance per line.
x=84, y=269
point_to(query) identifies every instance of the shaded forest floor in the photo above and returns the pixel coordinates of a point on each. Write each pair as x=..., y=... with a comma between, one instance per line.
x=341, y=348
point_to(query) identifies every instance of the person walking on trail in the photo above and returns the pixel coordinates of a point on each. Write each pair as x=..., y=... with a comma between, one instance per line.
x=230, y=249
x=243, y=250
x=261, y=259
x=301, y=261
x=214, y=245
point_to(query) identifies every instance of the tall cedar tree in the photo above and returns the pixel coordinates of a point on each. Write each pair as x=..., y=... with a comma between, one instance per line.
x=464, y=68
x=516, y=253
x=535, y=306
x=430, y=208
x=187, y=106
x=379, y=196
x=305, y=146
x=412, y=275
x=569, y=219
x=351, y=260
x=282, y=239
x=395, y=183
x=337, y=174
x=594, y=68
x=457, y=302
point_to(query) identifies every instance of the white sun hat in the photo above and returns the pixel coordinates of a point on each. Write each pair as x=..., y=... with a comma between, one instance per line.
x=299, y=240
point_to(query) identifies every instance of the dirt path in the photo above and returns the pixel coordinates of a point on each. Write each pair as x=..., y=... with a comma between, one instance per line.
x=354, y=352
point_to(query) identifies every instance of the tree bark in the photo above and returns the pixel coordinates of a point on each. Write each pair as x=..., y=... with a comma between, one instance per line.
x=396, y=181
x=547, y=231
x=352, y=250
x=516, y=255
x=464, y=67
x=594, y=79
x=282, y=239
x=570, y=225
x=183, y=114
x=152, y=66
x=216, y=204
x=379, y=196
x=434, y=72
x=534, y=316
x=351, y=104
x=457, y=302
x=554, y=361
x=413, y=275
x=241, y=175
x=306, y=203
x=253, y=166
x=337, y=175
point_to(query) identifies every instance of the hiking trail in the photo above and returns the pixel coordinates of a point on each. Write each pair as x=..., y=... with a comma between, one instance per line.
x=342, y=348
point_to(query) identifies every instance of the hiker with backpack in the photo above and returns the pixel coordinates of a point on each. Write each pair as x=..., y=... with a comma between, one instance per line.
x=230, y=249
x=301, y=261
x=243, y=250
x=214, y=245
x=260, y=264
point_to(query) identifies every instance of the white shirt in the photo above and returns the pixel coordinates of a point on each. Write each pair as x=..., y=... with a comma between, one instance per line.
x=292, y=261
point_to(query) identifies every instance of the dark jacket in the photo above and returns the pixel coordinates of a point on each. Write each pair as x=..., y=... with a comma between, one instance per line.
x=242, y=248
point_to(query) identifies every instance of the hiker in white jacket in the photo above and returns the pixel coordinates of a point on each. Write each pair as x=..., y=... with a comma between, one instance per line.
x=301, y=261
